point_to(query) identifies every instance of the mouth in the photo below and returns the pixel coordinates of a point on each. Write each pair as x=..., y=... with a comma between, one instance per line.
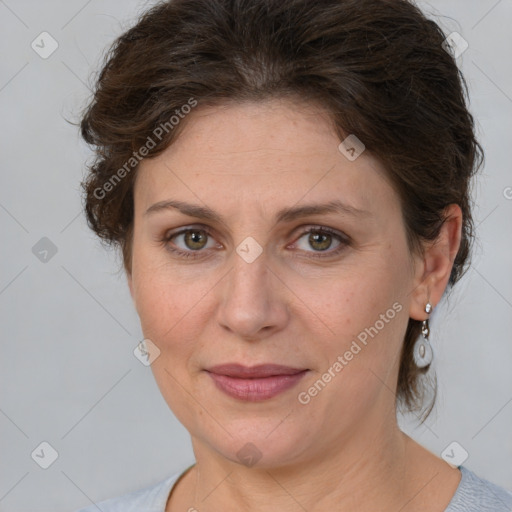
x=255, y=383
x=253, y=372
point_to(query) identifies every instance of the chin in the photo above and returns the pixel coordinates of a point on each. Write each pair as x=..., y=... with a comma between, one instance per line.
x=259, y=444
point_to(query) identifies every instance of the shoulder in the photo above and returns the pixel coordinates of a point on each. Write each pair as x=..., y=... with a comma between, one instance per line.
x=475, y=494
x=148, y=499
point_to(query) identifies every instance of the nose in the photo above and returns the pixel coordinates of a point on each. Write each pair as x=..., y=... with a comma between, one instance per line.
x=253, y=304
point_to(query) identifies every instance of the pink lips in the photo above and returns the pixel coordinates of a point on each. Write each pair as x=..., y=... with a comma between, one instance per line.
x=255, y=383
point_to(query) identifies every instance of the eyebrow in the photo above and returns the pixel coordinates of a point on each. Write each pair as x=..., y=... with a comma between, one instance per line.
x=283, y=215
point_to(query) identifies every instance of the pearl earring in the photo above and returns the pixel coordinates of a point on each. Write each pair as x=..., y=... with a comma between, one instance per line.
x=423, y=353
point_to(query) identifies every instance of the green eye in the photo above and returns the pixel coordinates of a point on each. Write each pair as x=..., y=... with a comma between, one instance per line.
x=320, y=241
x=195, y=239
x=189, y=243
x=315, y=242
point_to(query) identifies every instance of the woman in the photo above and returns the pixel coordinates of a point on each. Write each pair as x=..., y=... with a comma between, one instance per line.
x=289, y=184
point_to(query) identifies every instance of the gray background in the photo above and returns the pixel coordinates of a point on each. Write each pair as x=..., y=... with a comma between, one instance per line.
x=68, y=373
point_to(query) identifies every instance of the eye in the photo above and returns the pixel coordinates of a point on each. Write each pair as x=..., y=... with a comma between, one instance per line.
x=189, y=242
x=194, y=239
x=321, y=240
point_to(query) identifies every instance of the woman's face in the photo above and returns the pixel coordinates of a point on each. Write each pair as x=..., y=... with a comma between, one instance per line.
x=256, y=281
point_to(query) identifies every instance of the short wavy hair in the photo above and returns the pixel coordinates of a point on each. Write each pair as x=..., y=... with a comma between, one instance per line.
x=379, y=67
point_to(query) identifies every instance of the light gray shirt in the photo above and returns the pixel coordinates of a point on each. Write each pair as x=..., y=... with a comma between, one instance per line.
x=474, y=494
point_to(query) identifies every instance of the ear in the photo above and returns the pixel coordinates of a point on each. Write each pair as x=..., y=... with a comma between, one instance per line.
x=435, y=265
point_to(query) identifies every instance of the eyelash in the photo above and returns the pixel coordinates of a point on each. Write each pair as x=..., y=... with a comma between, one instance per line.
x=178, y=252
x=344, y=240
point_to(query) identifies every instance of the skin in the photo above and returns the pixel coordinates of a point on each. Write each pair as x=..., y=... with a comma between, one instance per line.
x=343, y=450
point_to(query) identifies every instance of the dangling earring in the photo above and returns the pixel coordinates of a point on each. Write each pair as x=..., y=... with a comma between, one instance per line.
x=422, y=349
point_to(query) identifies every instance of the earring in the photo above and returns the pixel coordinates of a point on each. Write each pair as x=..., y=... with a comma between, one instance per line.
x=423, y=353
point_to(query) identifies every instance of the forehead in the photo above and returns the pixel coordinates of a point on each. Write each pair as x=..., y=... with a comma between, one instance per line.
x=251, y=130
x=276, y=152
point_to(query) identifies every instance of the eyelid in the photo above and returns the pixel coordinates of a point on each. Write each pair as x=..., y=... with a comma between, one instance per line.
x=307, y=228
x=185, y=229
x=310, y=228
x=343, y=239
x=191, y=227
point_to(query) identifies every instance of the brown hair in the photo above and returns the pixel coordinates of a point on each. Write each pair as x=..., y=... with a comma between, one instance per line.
x=377, y=66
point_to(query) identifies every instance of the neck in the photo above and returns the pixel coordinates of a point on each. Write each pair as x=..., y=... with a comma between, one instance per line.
x=366, y=472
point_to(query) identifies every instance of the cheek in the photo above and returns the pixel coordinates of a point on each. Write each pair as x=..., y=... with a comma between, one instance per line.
x=358, y=357
x=162, y=293
x=355, y=299
x=172, y=314
x=168, y=310
x=361, y=312
x=168, y=302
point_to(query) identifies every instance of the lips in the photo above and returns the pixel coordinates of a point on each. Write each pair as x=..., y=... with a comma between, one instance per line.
x=256, y=383
x=254, y=372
